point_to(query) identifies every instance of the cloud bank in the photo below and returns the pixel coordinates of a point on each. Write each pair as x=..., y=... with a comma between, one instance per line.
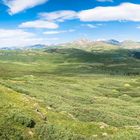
x=122, y=12
x=20, y=38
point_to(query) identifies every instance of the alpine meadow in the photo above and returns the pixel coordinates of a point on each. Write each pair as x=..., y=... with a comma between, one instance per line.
x=63, y=77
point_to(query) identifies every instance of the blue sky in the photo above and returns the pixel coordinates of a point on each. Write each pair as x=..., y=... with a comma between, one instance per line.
x=28, y=22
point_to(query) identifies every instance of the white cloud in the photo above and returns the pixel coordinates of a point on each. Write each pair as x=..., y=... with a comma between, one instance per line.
x=59, y=16
x=39, y=24
x=57, y=32
x=89, y=25
x=5, y=33
x=125, y=11
x=20, y=38
x=16, y=6
x=104, y=0
x=49, y=20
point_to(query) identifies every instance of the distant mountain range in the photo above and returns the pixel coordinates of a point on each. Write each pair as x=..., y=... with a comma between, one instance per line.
x=106, y=44
x=33, y=47
x=83, y=44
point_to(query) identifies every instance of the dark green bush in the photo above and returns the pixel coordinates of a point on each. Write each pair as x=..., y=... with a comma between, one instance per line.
x=23, y=119
x=8, y=132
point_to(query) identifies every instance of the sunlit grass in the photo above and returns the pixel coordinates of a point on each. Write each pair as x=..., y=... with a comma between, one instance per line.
x=69, y=95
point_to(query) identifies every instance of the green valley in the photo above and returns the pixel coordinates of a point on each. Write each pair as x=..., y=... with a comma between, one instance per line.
x=70, y=93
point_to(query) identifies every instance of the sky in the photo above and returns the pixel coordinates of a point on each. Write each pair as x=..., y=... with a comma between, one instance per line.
x=30, y=22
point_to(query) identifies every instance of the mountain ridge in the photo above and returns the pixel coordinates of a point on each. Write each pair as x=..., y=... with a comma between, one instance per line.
x=83, y=44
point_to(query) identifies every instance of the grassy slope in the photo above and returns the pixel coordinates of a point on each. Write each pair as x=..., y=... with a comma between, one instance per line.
x=69, y=94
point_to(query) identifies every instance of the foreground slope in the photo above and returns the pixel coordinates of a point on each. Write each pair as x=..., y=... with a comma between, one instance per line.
x=70, y=94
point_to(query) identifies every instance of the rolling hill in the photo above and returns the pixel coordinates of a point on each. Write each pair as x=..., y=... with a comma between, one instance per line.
x=76, y=91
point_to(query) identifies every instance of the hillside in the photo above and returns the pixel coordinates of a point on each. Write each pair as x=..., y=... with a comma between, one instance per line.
x=70, y=93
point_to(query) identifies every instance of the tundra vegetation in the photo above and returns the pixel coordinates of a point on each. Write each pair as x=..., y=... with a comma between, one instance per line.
x=70, y=94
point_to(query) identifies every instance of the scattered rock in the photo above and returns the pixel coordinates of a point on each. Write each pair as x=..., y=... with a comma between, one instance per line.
x=104, y=134
x=31, y=133
x=94, y=136
x=72, y=116
x=49, y=108
x=42, y=115
x=103, y=125
x=127, y=85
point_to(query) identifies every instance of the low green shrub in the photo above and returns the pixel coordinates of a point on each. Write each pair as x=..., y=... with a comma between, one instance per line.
x=23, y=119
